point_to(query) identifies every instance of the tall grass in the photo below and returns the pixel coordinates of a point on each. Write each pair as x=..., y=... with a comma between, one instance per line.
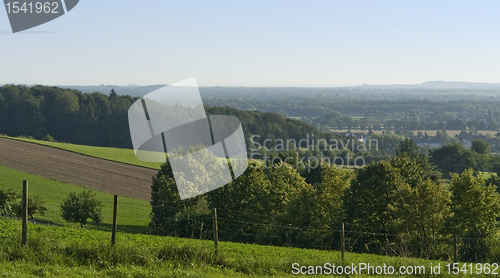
x=73, y=252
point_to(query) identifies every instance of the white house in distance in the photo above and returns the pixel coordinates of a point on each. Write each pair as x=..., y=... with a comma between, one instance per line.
x=360, y=137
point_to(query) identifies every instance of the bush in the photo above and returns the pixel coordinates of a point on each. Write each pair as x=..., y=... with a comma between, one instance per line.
x=11, y=204
x=35, y=206
x=79, y=208
x=49, y=138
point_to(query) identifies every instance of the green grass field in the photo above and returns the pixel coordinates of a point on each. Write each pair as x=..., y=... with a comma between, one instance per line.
x=73, y=252
x=113, y=154
x=133, y=214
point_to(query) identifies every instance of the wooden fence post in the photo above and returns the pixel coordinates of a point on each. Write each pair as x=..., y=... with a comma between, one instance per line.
x=455, y=250
x=201, y=231
x=113, y=229
x=342, y=241
x=25, y=213
x=216, y=232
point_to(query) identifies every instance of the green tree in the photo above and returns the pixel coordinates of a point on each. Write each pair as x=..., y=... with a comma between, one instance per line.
x=456, y=124
x=482, y=149
x=393, y=198
x=493, y=180
x=415, y=170
x=444, y=137
x=419, y=222
x=480, y=146
x=493, y=125
x=453, y=158
x=168, y=210
x=245, y=194
x=439, y=135
x=495, y=164
x=286, y=197
x=170, y=215
x=387, y=144
x=326, y=203
x=7, y=198
x=409, y=147
x=417, y=215
x=422, y=186
x=330, y=194
x=78, y=208
x=11, y=205
x=370, y=200
x=35, y=206
x=476, y=208
x=286, y=185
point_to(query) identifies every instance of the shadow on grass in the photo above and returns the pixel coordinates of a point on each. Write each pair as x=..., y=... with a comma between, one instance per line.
x=133, y=229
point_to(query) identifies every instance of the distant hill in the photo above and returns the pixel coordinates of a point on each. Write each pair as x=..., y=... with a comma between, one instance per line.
x=437, y=85
x=131, y=90
x=269, y=93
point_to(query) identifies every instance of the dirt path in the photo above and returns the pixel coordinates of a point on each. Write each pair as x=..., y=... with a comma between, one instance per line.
x=95, y=173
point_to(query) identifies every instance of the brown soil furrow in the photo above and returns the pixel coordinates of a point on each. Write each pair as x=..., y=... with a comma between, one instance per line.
x=94, y=173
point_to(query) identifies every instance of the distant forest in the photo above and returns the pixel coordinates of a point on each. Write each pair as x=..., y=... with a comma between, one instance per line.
x=98, y=119
x=398, y=108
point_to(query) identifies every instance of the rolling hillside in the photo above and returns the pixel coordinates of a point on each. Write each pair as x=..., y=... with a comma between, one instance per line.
x=113, y=154
x=65, y=166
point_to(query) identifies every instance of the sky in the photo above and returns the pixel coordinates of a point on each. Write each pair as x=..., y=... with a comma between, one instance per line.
x=257, y=43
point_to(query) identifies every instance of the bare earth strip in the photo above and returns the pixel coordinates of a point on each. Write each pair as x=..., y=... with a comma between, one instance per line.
x=94, y=173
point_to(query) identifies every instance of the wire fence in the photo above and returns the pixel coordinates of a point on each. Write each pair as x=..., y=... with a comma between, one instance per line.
x=280, y=230
x=256, y=229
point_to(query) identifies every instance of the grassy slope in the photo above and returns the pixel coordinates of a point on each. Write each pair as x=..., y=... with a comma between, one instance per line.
x=73, y=252
x=133, y=215
x=114, y=154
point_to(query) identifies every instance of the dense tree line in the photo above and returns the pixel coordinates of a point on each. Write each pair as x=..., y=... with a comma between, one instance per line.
x=400, y=116
x=97, y=119
x=67, y=115
x=350, y=103
x=395, y=206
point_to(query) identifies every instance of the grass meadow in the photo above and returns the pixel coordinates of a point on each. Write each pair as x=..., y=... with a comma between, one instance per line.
x=73, y=252
x=132, y=215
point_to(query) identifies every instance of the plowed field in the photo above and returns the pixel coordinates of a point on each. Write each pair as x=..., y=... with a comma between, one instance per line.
x=94, y=173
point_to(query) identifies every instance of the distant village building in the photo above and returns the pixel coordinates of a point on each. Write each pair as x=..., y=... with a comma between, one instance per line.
x=359, y=136
x=375, y=116
x=466, y=143
x=432, y=143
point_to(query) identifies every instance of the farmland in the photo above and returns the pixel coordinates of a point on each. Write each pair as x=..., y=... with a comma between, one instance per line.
x=133, y=214
x=99, y=174
x=113, y=154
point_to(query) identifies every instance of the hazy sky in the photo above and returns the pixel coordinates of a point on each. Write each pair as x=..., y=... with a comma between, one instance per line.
x=257, y=43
